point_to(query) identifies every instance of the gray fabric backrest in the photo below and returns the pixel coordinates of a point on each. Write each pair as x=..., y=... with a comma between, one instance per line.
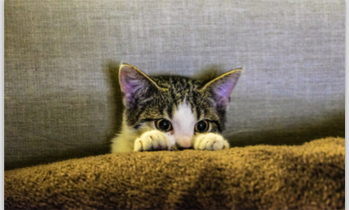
x=60, y=101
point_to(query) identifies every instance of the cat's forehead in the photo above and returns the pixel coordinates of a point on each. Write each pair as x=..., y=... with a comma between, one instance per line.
x=184, y=118
x=180, y=88
x=177, y=82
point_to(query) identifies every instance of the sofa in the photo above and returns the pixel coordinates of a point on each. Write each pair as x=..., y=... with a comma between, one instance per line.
x=310, y=176
x=62, y=100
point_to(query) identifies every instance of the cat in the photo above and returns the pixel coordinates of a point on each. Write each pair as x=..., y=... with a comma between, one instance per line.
x=172, y=112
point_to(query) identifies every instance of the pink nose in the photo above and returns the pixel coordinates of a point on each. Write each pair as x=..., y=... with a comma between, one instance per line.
x=184, y=141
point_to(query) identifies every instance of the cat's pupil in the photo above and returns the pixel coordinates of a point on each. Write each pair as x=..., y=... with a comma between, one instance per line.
x=163, y=125
x=201, y=126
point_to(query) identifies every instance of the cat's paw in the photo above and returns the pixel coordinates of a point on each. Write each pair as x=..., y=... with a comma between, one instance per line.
x=152, y=141
x=210, y=141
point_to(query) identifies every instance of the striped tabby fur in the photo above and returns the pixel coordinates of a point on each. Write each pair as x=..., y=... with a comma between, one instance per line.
x=179, y=101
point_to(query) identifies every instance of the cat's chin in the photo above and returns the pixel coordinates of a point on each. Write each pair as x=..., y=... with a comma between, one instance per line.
x=210, y=141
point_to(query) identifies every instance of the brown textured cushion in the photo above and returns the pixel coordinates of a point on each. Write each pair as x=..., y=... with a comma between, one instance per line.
x=310, y=176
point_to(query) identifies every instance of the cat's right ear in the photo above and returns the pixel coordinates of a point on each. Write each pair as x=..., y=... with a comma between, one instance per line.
x=222, y=87
x=134, y=84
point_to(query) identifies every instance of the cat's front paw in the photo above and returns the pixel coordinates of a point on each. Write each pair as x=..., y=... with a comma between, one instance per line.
x=152, y=141
x=210, y=141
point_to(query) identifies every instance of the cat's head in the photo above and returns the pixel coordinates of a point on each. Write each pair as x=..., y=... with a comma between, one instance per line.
x=179, y=106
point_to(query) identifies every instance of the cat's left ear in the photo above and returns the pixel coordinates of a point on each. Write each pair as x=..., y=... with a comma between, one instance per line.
x=135, y=84
x=222, y=87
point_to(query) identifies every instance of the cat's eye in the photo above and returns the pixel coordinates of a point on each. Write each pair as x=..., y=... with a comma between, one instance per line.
x=163, y=125
x=201, y=126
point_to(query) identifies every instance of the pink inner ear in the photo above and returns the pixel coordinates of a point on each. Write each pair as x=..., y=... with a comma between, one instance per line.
x=222, y=95
x=130, y=81
x=223, y=87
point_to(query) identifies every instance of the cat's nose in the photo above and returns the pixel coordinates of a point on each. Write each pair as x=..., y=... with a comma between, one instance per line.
x=184, y=142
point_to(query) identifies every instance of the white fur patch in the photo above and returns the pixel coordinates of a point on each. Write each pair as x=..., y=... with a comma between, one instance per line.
x=183, y=123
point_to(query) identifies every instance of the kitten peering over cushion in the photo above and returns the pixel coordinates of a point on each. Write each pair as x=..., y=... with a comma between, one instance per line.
x=167, y=112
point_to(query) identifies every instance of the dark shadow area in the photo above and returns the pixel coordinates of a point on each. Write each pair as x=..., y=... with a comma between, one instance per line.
x=200, y=195
x=209, y=73
x=332, y=127
x=91, y=150
x=115, y=101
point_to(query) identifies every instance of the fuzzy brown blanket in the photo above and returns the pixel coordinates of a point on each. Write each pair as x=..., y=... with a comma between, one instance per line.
x=310, y=176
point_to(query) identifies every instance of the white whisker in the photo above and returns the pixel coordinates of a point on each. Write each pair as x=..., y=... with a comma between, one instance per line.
x=236, y=132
